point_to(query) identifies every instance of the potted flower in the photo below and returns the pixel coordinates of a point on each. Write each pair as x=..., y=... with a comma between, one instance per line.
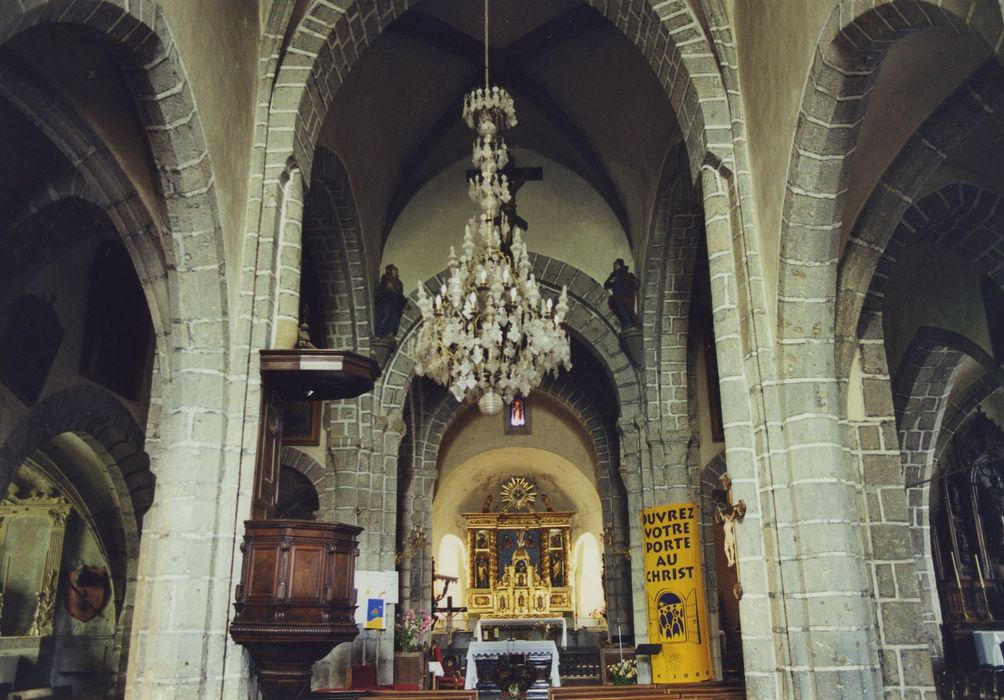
x=410, y=630
x=599, y=615
x=623, y=672
x=512, y=675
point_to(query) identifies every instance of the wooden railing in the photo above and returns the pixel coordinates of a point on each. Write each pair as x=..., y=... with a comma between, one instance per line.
x=579, y=665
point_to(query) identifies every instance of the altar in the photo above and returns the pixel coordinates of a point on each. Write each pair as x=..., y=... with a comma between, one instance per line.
x=511, y=646
x=486, y=622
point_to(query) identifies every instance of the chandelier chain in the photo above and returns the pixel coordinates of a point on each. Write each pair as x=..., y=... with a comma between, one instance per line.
x=488, y=334
x=486, y=46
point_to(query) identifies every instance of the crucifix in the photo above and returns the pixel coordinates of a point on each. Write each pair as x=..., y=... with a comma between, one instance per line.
x=727, y=513
x=517, y=178
x=449, y=610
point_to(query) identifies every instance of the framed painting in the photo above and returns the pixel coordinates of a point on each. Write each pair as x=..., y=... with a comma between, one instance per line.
x=301, y=423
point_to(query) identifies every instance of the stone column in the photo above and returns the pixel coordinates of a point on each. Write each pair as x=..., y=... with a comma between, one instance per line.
x=285, y=328
x=362, y=453
x=45, y=606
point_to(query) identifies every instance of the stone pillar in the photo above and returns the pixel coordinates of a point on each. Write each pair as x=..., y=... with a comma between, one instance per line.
x=288, y=251
x=744, y=413
x=638, y=483
x=362, y=453
x=185, y=581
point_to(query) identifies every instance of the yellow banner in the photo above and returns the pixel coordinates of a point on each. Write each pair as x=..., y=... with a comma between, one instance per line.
x=674, y=590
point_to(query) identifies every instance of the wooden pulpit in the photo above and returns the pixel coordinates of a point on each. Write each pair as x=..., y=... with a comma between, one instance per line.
x=296, y=599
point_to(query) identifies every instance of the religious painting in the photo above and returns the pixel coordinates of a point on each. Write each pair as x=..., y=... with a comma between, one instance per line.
x=481, y=572
x=517, y=417
x=29, y=347
x=512, y=540
x=481, y=540
x=301, y=423
x=557, y=568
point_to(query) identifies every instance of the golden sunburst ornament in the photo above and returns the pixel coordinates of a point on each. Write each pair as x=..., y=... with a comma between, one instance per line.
x=518, y=494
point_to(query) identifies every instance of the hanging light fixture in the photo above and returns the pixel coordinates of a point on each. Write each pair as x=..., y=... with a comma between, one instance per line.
x=488, y=334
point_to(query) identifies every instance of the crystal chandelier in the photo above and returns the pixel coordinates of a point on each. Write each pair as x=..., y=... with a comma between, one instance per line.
x=488, y=334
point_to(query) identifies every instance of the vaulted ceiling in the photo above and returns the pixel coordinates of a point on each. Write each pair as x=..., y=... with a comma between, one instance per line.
x=585, y=98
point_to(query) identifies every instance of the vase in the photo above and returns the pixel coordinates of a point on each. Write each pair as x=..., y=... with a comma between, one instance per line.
x=409, y=669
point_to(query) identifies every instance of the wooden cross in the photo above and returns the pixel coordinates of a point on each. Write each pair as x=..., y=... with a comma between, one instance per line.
x=449, y=609
x=517, y=178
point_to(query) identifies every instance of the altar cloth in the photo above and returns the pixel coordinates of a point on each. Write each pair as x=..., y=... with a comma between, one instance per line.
x=511, y=646
x=521, y=622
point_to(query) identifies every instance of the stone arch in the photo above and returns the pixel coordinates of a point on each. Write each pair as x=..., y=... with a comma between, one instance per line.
x=150, y=61
x=333, y=233
x=590, y=319
x=431, y=420
x=848, y=55
x=109, y=429
x=97, y=413
x=310, y=482
x=920, y=396
x=197, y=478
x=306, y=465
x=39, y=239
x=958, y=217
x=959, y=410
x=117, y=533
x=328, y=40
x=664, y=304
x=587, y=316
x=898, y=190
x=96, y=177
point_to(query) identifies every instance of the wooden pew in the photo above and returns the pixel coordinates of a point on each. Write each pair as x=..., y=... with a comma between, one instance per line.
x=422, y=694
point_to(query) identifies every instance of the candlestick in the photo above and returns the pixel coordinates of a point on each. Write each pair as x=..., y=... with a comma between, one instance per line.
x=958, y=583
x=983, y=586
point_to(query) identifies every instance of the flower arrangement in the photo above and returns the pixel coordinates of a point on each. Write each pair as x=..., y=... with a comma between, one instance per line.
x=599, y=614
x=411, y=626
x=623, y=672
x=512, y=675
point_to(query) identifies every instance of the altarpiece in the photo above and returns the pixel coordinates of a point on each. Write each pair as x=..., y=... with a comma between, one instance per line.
x=518, y=558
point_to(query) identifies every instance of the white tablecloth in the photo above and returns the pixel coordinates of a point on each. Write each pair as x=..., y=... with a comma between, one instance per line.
x=512, y=646
x=522, y=622
x=988, y=649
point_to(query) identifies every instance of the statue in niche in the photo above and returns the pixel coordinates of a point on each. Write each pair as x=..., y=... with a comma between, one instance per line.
x=623, y=286
x=389, y=302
